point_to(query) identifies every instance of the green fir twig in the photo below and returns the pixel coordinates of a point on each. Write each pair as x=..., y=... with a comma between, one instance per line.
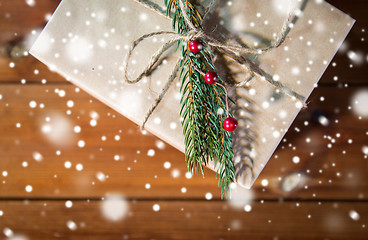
x=205, y=138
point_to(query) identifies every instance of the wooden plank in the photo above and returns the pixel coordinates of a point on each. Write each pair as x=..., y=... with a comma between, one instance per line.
x=27, y=70
x=17, y=20
x=18, y=17
x=327, y=201
x=329, y=174
x=179, y=220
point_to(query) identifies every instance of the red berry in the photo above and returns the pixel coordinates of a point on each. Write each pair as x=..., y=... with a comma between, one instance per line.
x=211, y=77
x=195, y=46
x=230, y=124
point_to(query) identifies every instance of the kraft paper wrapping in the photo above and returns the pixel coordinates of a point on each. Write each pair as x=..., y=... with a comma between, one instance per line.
x=86, y=42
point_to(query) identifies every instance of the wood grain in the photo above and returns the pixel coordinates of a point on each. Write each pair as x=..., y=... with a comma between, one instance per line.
x=314, y=187
x=328, y=173
x=183, y=220
x=18, y=19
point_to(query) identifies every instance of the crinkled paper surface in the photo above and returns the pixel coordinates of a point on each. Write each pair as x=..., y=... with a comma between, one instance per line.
x=86, y=42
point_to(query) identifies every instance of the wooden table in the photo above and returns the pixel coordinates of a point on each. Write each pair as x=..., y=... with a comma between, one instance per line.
x=123, y=184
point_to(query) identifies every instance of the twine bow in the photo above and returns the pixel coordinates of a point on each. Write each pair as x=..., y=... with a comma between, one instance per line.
x=234, y=50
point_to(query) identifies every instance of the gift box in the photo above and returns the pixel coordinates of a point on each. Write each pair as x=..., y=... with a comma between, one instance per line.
x=87, y=42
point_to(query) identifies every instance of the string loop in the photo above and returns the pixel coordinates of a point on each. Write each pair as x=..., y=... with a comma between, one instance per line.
x=234, y=50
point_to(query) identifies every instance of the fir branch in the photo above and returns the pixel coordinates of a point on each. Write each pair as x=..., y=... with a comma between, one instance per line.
x=205, y=138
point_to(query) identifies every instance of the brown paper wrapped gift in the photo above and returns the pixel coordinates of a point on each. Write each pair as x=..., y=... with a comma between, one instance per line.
x=86, y=41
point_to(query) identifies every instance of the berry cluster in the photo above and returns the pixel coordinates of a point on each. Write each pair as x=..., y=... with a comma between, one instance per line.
x=229, y=123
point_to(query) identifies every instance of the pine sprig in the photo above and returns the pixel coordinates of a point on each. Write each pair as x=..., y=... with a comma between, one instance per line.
x=205, y=138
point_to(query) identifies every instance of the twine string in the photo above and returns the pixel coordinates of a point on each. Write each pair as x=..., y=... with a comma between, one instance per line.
x=162, y=94
x=185, y=15
x=209, y=9
x=233, y=50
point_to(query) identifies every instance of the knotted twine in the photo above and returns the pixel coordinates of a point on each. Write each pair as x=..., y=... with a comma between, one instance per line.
x=234, y=50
